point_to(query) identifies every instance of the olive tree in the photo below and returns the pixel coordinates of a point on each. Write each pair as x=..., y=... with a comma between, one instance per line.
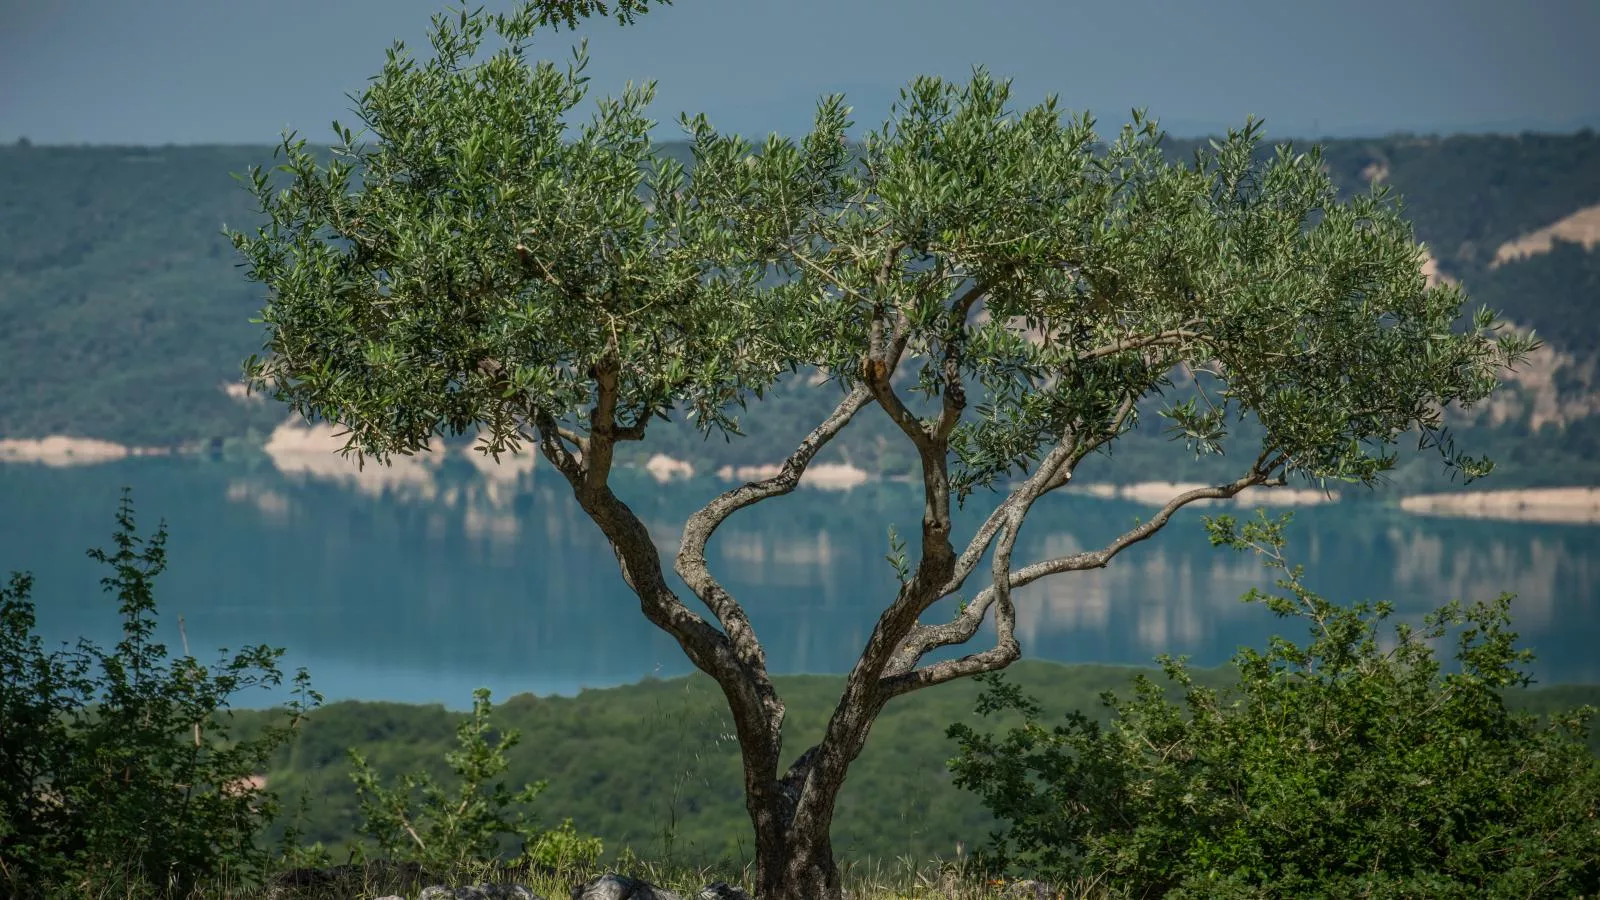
x=1007, y=288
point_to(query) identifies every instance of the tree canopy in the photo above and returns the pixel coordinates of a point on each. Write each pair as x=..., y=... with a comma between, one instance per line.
x=488, y=267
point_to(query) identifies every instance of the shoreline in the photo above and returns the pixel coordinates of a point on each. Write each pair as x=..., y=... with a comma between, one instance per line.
x=310, y=450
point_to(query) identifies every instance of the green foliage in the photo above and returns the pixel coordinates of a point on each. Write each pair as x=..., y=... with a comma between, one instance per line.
x=899, y=799
x=1468, y=194
x=1335, y=769
x=108, y=779
x=449, y=832
x=484, y=273
x=120, y=316
x=556, y=13
x=137, y=782
x=563, y=849
x=475, y=157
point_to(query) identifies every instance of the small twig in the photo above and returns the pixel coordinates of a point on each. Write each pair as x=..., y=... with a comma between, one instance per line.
x=185, y=638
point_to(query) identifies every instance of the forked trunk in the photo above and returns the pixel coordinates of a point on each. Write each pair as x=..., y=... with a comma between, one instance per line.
x=796, y=864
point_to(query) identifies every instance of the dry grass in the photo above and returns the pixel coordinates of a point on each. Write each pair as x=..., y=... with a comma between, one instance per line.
x=907, y=880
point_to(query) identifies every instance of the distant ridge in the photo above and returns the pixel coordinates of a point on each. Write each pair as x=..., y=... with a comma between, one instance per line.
x=124, y=316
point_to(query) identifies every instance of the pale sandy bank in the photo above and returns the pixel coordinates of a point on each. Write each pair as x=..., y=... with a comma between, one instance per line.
x=313, y=451
x=296, y=448
x=58, y=450
x=664, y=468
x=1568, y=505
x=1158, y=493
x=822, y=476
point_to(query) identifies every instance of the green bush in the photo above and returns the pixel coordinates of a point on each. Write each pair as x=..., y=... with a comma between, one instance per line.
x=1338, y=769
x=132, y=785
x=449, y=832
x=109, y=782
x=563, y=849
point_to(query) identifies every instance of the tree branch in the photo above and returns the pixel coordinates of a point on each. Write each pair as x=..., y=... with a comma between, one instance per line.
x=753, y=700
x=495, y=371
x=691, y=561
x=1054, y=471
x=954, y=395
x=603, y=418
x=551, y=435
x=961, y=629
x=1165, y=338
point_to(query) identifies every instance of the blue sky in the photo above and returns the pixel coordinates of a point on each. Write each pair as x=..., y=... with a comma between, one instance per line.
x=227, y=71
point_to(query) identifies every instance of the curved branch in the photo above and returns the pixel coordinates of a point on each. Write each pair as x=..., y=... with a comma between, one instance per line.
x=961, y=629
x=1005, y=615
x=991, y=660
x=1054, y=471
x=752, y=699
x=691, y=560
x=1162, y=339
x=636, y=555
x=1005, y=651
x=954, y=395
x=877, y=370
x=551, y=435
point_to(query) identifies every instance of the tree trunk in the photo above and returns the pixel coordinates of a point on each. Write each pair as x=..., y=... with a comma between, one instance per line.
x=792, y=818
x=796, y=863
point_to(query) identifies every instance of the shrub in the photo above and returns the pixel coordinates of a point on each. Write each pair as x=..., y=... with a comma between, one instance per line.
x=449, y=832
x=1337, y=769
x=109, y=781
x=111, y=784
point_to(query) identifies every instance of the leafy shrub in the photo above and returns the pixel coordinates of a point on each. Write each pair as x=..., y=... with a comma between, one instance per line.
x=109, y=782
x=562, y=849
x=448, y=832
x=1334, y=770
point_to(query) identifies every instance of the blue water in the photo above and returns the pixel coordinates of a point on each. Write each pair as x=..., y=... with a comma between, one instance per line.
x=434, y=586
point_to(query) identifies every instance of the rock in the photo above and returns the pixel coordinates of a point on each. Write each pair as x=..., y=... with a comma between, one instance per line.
x=620, y=887
x=1032, y=890
x=478, y=892
x=356, y=880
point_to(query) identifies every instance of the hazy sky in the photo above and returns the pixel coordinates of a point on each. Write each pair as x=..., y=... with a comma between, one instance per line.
x=228, y=71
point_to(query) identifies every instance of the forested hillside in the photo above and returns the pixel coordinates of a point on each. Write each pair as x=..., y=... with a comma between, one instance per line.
x=123, y=314
x=652, y=766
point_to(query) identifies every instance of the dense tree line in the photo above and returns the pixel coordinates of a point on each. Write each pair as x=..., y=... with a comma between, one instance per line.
x=648, y=765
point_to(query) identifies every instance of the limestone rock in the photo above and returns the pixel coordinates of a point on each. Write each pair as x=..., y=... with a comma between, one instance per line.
x=1032, y=890
x=620, y=887
x=478, y=892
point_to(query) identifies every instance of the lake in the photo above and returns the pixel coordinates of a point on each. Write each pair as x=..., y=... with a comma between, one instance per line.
x=424, y=583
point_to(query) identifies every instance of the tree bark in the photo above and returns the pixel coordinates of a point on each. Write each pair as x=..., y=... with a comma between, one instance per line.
x=793, y=816
x=794, y=857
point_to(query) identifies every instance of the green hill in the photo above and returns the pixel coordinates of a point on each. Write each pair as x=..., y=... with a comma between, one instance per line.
x=123, y=313
x=631, y=763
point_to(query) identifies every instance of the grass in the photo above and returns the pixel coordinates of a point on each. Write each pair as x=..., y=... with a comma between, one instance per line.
x=906, y=880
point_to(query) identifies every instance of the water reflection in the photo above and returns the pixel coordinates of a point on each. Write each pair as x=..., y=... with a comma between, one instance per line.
x=454, y=574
